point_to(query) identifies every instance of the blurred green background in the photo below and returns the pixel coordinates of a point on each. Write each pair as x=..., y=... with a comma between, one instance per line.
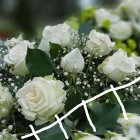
x=30, y=16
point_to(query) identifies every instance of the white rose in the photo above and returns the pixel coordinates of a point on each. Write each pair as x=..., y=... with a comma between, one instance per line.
x=133, y=119
x=133, y=133
x=73, y=61
x=119, y=138
x=136, y=59
x=6, y=102
x=16, y=57
x=136, y=24
x=131, y=8
x=99, y=44
x=118, y=66
x=60, y=34
x=40, y=99
x=86, y=136
x=89, y=137
x=121, y=30
x=103, y=15
x=114, y=136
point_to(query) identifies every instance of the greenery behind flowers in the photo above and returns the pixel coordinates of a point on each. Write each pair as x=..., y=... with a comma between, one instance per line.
x=130, y=45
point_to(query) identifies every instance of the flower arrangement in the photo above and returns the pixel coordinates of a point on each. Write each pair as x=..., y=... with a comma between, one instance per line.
x=49, y=78
x=121, y=23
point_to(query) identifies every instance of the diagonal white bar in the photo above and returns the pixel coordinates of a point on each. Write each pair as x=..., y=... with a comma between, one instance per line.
x=62, y=128
x=120, y=102
x=34, y=132
x=88, y=117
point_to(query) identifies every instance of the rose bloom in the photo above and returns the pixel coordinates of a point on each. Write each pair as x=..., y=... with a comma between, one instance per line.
x=118, y=66
x=119, y=138
x=136, y=59
x=40, y=99
x=60, y=34
x=99, y=44
x=121, y=30
x=103, y=15
x=114, y=136
x=133, y=132
x=6, y=101
x=133, y=119
x=73, y=61
x=131, y=8
x=17, y=55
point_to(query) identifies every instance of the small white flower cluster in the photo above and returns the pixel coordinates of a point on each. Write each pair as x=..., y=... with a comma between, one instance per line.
x=13, y=82
x=5, y=135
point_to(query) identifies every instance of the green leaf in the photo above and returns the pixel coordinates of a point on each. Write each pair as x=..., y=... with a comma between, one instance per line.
x=73, y=22
x=85, y=28
x=73, y=100
x=55, y=133
x=132, y=106
x=38, y=63
x=112, y=97
x=21, y=125
x=55, y=50
x=104, y=116
x=95, y=89
x=84, y=126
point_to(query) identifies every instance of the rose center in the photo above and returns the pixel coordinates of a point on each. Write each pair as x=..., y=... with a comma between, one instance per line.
x=34, y=95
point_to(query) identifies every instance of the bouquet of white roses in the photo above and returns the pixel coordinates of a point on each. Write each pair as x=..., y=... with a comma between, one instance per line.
x=42, y=82
x=68, y=66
